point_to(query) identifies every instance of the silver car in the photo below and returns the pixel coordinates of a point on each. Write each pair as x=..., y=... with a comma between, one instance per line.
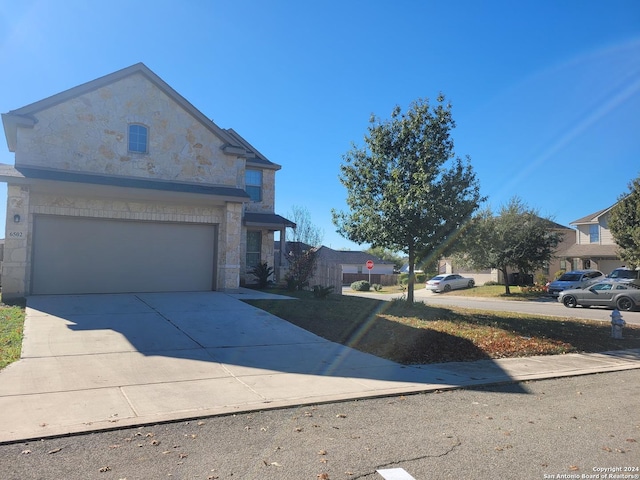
x=446, y=283
x=623, y=296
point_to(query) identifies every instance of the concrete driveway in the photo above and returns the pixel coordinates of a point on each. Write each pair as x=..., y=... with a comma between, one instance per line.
x=92, y=362
x=100, y=361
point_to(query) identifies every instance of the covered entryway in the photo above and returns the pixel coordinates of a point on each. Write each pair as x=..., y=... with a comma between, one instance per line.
x=92, y=255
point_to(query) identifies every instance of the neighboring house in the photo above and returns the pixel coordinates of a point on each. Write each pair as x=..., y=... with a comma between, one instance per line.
x=589, y=246
x=594, y=245
x=354, y=265
x=556, y=263
x=447, y=266
x=121, y=185
x=339, y=267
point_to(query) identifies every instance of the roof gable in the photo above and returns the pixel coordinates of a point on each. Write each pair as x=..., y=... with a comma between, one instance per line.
x=254, y=157
x=594, y=217
x=25, y=116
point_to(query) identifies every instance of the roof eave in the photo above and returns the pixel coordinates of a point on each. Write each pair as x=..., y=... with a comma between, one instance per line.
x=268, y=166
x=228, y=149
x=272, y=222
x=267, y=226
x=11, y=122
x=254, y=157
x=42, y=176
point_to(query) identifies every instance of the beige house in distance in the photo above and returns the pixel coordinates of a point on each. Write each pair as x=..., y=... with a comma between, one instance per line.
x=594, y=246
x=121, y=185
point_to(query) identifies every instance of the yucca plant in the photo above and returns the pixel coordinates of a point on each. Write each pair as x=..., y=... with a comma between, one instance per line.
x=262, y=272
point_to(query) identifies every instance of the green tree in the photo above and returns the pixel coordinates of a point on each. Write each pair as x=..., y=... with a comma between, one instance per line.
x=406, y=190
x=517, y=238
x=625, y=224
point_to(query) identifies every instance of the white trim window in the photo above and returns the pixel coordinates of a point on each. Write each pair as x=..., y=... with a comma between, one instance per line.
x=254, y=247
x=138, y=138
x=253, y=184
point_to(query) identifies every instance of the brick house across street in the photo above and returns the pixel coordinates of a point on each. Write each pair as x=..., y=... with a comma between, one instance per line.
x=121, y=185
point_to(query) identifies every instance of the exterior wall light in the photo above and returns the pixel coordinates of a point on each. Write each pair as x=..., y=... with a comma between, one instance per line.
x=16, y=218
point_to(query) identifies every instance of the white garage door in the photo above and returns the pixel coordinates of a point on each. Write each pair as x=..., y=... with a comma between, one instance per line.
x=88, y=255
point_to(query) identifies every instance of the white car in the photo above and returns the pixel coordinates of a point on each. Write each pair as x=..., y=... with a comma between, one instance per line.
x=446, y=283
x=624, y=275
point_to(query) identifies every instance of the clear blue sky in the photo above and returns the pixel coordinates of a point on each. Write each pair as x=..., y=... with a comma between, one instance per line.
x=545, y=94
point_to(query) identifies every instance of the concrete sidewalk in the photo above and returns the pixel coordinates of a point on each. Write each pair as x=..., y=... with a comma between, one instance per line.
x=95, y=362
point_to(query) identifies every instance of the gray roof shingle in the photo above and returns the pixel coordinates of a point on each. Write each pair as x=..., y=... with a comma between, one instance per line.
x=351, y=257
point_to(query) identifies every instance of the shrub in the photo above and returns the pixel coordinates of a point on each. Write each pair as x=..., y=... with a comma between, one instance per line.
x=361, y=286
x=534, y=289
x=541, y=279
x=322, y=292
x=294, y=284
x=302, y=264
x=377, y=287
x=262, y=272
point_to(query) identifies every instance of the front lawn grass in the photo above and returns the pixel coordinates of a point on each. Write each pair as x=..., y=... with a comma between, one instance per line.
x=498, y=291
x=11, y=325
x=422, y=333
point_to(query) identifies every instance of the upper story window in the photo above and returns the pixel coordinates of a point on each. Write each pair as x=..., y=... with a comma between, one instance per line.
x=594, y=234
x=138, y=138
x=253, y=184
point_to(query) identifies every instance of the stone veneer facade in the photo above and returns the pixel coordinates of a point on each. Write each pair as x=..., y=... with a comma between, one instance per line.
x=88, y=133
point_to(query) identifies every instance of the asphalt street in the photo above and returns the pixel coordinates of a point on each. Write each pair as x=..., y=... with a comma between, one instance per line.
x=533, y=430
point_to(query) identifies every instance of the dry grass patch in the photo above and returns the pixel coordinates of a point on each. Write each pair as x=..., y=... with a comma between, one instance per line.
x=422, y=333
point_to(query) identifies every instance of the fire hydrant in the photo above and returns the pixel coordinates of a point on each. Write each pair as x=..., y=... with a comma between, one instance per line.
x=617, y=322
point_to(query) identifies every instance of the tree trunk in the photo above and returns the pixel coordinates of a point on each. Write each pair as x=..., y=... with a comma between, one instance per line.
x=412, y=278
x=507, y=291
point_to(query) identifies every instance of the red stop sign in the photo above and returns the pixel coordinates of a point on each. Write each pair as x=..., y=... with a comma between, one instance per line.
x=369, y=264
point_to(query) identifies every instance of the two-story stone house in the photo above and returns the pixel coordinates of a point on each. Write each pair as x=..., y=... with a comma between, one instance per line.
x=121, y=185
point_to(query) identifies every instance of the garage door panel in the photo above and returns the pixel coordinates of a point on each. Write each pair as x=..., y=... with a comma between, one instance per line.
x=86, y=255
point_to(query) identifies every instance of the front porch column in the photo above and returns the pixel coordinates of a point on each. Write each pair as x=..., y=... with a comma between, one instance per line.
x=15, y=266
x=282, y=269
x=229, y=248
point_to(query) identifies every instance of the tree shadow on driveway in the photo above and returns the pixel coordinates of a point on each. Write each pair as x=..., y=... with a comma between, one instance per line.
x=214, y=329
